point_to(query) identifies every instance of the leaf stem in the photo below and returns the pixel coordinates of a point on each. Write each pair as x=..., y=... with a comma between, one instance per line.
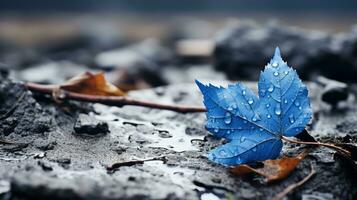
x=331, y=146
x=112, y=100
x=293, y=186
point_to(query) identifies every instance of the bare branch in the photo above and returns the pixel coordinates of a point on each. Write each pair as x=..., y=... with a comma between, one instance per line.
x=112, y=100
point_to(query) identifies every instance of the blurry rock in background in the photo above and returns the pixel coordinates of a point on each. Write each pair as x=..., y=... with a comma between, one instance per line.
x=242, y=49
x=137, y=66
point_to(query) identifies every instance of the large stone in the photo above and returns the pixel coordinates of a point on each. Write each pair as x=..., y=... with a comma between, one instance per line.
x=242, y=49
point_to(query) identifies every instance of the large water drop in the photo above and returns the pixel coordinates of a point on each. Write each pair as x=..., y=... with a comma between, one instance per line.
x=228, y=118
x=242, y=139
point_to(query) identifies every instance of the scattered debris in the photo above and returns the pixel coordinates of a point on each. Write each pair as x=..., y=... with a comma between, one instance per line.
x=117, y=165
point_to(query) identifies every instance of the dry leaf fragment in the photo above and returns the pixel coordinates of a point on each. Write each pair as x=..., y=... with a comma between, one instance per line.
x=92, y=84
x=273, y=170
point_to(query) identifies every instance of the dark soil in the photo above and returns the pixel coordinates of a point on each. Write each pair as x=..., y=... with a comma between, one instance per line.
x=68, y=150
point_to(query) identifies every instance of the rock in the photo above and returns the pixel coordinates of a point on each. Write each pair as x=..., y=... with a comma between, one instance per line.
x=24, y=115
x=4, y=187
x=4, y=71
x=243, y=49
x=334, y=91
x=45, y=165
x=141, y=61
x=88, y=125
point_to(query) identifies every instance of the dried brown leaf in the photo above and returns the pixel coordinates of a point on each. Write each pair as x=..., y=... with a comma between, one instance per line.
x=92, y=84
x=273, y=170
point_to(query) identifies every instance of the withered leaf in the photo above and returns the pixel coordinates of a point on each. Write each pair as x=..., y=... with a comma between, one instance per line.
x=92, y=84
x=273, y=170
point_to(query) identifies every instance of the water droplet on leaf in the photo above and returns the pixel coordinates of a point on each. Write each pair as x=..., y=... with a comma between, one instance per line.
x=238, y=160
x=277, y=110
x=223, y=153
x=228, y=118
x=242, y=139
x=262, y=92
x=291, y=118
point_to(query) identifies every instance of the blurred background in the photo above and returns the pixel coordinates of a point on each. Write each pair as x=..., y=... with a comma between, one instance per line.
x=143, y=44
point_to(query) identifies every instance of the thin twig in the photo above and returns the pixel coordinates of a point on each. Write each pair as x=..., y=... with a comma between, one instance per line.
x=331, y=146
x=112, y=100
x=117, y=165
x=2, y=141
x=7, y=142
x=293, y=186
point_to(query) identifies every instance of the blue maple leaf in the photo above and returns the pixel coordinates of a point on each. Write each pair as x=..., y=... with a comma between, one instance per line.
x=253, y=125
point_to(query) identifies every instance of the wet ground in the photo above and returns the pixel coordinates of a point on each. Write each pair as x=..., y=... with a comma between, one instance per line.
x=84, y=151
x=76, y=150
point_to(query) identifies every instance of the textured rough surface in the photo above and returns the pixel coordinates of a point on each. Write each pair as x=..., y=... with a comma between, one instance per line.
x=57, y=164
